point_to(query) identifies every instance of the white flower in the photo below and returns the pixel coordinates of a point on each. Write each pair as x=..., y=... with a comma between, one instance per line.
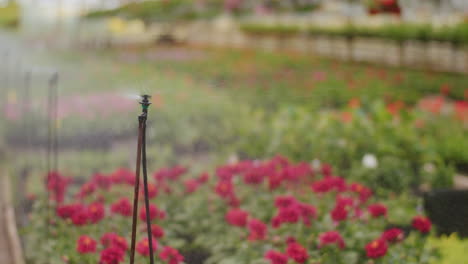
x=369, y=161
x=316, y=164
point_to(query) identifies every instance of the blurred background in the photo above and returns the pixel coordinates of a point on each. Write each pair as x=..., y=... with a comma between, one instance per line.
x=377, y=88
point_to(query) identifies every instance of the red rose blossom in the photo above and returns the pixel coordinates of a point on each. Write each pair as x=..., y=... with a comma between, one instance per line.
x=276, y=257
x=157, y=231
x=85, y=244
x=67, y=211
x=393, y=235
x=297, y=252
x=237, y=217
x=257, y=230
x=171, y=255
x=191, y=185
x=377, y=210
x=80, y=218
x=339, y=213
x=143, y=248
x=331, y=238
x=122, y=207
x=96, y=212
x=376, y=249
x=421, y=223
x=155, y=213
x=112, y=255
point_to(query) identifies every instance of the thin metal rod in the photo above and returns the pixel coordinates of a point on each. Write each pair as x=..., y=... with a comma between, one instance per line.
x=55, y=128
x=137, y=191
x=145, y=182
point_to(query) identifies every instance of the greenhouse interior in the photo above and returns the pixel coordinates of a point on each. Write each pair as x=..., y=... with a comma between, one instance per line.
x=233, y=131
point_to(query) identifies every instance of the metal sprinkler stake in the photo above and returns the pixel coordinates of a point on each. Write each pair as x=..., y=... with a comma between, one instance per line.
x=141, y=160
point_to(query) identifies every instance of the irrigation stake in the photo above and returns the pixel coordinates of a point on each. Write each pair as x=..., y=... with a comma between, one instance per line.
x=141, y=160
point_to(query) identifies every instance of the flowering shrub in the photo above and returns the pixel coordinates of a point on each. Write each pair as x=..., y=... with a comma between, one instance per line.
x=273, y=211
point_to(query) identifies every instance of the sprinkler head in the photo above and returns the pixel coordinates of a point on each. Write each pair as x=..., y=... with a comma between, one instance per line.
x=145, y=103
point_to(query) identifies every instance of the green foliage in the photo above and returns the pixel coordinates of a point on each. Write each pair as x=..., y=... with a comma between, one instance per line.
x=457, y=34
x=148, y=11
x=452, y=249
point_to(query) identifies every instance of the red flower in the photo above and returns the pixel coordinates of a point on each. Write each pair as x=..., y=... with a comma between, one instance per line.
x=114, y=240
x=364, y=192
x=326, y=169
x=107, y=238
x=339, y=213
x=112, y=255
x=461, y=110
x=171, y=255
x=96, y=212
x=289, y=214
x=86, y=189
x=329, y=183
x=204, y=177
x=123, y=176
x=152, y=191
x=67, y=211
x=276, y=257
x=85, y=244
x=376, y=249
x=102, y=181
x=154, y=213
x=297, y=252
x=377, y=210
x=421, y=223
x=257, y=230
x=308, y=212
x=57, y=185
x=224, y=189
x=122, y=207
x=191, y=185
x=237, y=217
x=330, y=238
x=393, y=235
x=285, y=201
x=143, y=248
x=80, y=218
x=157, y=231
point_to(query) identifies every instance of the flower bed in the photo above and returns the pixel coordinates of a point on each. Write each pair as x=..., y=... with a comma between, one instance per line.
x=271, y=211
